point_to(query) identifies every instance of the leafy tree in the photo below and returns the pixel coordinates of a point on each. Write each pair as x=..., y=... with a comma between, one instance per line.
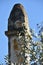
x=36, y=47
x=35, y=50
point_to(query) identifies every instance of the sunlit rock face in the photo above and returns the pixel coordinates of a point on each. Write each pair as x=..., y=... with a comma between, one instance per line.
x=17, y=20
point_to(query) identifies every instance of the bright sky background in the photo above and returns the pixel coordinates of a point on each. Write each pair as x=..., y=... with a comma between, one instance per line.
x=34, y=9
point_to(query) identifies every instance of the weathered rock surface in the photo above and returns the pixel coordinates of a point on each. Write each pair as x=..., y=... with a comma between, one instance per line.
x=17, y=20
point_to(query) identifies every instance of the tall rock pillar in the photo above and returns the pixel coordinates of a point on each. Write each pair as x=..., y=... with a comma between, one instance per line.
x=18, y=36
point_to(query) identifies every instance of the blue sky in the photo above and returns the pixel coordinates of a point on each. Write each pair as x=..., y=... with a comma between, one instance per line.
x=34, y=9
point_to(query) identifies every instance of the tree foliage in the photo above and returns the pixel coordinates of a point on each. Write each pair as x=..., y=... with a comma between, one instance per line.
x=35, y=49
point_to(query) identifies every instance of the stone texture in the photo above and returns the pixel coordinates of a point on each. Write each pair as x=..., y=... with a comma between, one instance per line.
x=17, y=20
